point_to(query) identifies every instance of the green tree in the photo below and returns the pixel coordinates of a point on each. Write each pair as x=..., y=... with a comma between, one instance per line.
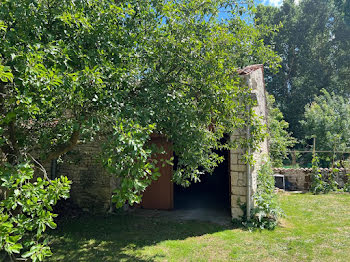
x=279, y=137
x=314, y=43
x=328, y=120
x=77, y=71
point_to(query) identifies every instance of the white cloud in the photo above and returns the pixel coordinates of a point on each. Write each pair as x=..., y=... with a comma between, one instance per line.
x=277, y=2
x=273, y=2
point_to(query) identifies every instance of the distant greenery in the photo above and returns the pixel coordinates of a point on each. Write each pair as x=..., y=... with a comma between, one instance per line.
x=328, y=120
x=315, y=228
x=279, y=137
x=314, y=43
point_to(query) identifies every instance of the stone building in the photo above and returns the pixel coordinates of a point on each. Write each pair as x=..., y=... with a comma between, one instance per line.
x=92, y=187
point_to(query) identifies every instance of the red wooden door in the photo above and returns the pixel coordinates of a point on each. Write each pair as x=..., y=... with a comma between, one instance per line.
x=160, y=195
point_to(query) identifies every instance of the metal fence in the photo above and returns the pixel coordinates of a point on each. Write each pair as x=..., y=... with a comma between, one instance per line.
x=303, y=158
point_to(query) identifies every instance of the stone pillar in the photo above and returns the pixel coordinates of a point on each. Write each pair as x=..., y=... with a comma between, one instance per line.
x=254, y=77
x=238, y=172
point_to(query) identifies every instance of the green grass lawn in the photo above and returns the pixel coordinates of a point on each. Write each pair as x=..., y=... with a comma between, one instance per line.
x=316, y=228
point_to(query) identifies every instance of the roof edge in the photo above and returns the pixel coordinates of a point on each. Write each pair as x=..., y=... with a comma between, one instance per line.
x=249, y=69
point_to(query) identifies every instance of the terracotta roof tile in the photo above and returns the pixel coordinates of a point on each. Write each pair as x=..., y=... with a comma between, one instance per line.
x=249, y=69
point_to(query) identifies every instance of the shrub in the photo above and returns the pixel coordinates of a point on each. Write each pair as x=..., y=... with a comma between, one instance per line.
x=266, y=210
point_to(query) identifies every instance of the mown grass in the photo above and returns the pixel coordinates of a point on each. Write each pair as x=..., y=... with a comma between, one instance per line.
x=316, y=228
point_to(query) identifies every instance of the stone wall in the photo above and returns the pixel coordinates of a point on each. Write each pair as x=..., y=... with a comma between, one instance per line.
x=91, y=185
x=295, y=179
x=299, y=179
x=238, y=169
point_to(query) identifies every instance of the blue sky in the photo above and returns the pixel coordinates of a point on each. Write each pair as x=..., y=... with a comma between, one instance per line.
x=277, y=3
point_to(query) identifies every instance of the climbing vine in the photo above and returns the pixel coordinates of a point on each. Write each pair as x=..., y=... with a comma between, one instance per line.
x=322, y=183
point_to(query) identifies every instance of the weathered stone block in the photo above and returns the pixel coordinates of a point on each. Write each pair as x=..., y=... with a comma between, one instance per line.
x=239, y=190
x=235, y=200
x=234, y=158
x=234, y=178
x=241, y=168
x=236, y=212
x=242, y=175
x=241, y=182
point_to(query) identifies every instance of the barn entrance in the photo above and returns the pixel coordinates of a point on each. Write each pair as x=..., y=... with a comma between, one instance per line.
x=209, y=197
x=207, y=200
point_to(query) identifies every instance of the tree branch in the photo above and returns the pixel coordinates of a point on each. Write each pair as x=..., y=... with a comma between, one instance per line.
x=64, y=148
x=41, y=168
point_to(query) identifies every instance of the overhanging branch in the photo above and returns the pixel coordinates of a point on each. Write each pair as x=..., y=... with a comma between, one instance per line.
x=64, y=148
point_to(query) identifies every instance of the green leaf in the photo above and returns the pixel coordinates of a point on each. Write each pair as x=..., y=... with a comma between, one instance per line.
x=16, y=248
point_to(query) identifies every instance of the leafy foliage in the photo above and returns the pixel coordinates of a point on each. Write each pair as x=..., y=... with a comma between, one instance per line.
x=266, y=210
x=328, y=120
x=280, y=139
x=317, y=183
x=347, y=184
x=346, y=165
x=25, y=210
x=5, y=74
x=321, y=183
x=128, y=153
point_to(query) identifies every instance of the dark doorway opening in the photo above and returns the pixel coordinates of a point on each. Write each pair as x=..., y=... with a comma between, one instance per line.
x=210, y=197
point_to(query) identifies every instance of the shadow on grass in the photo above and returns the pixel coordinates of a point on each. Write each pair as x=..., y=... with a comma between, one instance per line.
x=120, y=237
